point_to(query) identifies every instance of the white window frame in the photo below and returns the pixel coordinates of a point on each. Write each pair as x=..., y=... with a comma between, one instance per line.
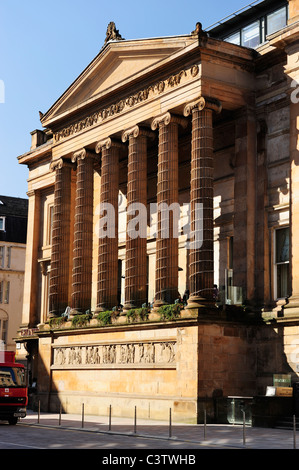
x=2, y=218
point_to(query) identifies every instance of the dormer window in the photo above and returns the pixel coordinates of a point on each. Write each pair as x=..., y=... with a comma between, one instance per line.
x=2, y=224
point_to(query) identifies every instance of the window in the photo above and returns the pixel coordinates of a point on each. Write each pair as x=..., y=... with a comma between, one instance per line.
x=282, y=276
x=5, y=256
x=3, y=327
x=8, y=256
x=50, y=224
x=2, y=251
x=255, y=33
x=251, y=35
x=276, y=20
x=4, y=292
x=2, y=224
x=234, y=38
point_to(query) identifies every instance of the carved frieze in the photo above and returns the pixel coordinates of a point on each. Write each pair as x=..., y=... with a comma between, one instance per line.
x=116, y=108
x=122, y=355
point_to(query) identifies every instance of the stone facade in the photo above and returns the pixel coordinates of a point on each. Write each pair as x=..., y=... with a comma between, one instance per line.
x=193, y=122
x=13, y=227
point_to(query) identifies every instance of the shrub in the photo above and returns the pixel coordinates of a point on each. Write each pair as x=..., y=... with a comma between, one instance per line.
x=136, y=314
x=170, y=312
x=81, y=320
x=56, y=322
x=105, y=317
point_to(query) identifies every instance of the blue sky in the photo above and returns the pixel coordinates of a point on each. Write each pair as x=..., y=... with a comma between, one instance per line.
x=44, y=46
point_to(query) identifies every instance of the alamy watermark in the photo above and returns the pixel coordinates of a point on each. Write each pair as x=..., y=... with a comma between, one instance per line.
x=295, y=92
x=167, y=221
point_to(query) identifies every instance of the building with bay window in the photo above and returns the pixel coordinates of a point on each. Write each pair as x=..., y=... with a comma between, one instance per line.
x=197, y=133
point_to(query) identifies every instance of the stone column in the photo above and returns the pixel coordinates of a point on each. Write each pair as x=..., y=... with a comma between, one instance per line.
x=168, y=209
x=83, y=232
x=201, y=262
x=136, y=254
x=108, y=235
x=30, y=315
x=292, y=307
x=60, y=250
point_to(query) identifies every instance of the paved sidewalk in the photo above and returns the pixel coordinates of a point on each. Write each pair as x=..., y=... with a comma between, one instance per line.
x=214, y=435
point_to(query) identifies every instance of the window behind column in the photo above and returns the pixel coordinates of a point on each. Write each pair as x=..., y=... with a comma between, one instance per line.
x=282, y=275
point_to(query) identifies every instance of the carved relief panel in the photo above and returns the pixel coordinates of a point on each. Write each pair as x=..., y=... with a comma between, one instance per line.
x=153, y=354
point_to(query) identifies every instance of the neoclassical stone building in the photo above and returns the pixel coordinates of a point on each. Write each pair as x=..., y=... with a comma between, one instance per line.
x=207, y=122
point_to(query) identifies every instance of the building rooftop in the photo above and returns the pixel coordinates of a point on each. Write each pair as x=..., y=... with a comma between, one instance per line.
x=258, y=15
x=13, y=206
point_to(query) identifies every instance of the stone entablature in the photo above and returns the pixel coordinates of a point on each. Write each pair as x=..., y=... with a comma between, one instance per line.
x=152, y=354
x=123, y=105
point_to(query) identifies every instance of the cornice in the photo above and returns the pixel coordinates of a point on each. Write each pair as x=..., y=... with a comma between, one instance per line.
x=125, y=104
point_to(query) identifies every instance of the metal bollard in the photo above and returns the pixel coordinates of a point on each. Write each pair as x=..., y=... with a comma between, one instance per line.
x=244, y=429
x=204, y=423
x=294, y=431
x=38, y=413
x=109, y=418
x=135, y=420
x=170, y=423
x=59, y=420
x=82, y=415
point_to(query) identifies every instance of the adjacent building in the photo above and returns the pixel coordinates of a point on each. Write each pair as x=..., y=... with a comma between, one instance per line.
x=197, y=135
x=13, y=231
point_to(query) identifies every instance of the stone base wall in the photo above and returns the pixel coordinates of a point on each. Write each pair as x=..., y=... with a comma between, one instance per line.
x=183, y=365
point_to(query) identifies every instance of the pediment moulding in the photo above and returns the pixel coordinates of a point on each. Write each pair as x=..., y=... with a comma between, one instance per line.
x=127, y=103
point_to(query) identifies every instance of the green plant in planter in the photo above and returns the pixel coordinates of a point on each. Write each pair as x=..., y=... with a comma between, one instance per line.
x=135, y=314
x=105, y=318
x=57, y=322
x=170, y=312
x=81, y=320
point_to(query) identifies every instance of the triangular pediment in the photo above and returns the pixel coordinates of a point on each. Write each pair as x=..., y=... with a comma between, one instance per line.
x=118, y=65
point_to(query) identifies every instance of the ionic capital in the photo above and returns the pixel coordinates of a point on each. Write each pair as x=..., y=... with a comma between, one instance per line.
x=135, y=132
x=166, y=119
x=203, y=103
x=60, y=163
x=82, y=154
x=107, y=144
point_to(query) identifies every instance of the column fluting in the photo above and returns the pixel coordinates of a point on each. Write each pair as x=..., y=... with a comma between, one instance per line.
x=107, y=283
x=201, y=256
x=83, y=232
x=136, y=235
x=60, y=246
x=168, y=209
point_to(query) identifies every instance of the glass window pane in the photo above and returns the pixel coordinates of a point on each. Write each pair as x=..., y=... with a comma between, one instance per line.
x=8, y=256
x=234, y=39
x=276, y=20
x=1, y=256
x=2, y=223
x=283, y=281
x=282, y=245
x=251, y=35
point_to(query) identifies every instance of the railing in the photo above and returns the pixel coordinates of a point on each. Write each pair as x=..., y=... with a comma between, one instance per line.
x=207, y=434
